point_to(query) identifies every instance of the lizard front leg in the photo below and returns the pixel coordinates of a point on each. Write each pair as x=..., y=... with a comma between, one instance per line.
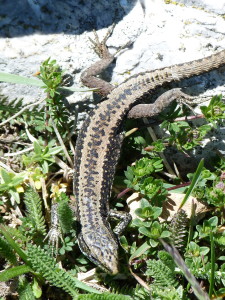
x=163, y=101
x=124, y=218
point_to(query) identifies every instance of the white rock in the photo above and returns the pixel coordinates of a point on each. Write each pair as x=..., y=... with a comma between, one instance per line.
x=162, y=35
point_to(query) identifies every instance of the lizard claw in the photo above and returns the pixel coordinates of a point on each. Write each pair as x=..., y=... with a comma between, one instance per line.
x=53, y=239
x=100, y=47
x=54, y=233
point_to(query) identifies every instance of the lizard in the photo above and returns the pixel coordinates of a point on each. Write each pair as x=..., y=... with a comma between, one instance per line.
x=99, y=142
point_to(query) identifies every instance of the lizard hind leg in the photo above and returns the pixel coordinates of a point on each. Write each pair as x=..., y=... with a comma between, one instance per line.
x=88, y=76
x=163, y=101
x=100, y=47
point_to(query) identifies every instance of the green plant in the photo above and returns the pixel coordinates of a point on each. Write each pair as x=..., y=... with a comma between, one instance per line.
x=43, y=155
x=184, y=135
x=162, y=270
x=37, y=168
x=138, y=177
x=11, y=183
x=34, y=213
x=178, y=229
x=214, y=112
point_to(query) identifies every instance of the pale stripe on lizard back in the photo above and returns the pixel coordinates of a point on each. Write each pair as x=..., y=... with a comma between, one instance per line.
x=98, y=149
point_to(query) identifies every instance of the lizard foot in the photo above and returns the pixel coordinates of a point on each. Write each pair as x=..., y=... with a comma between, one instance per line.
x=100, y=47
x=54, y=233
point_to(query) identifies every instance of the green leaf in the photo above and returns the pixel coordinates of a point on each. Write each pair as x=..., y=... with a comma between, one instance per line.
x=52, y=93
x=5, y=176
x=16, y=180
x=4, y=187
x=36, y=289
x=165, y=234
x=6, y=77
x=213, y=222
x=45, y=167
x=55, y=150
x=215, y=110
x=33, y=204
x=15, y=195
x=145, y=231
x=13, y=244
x=37, y=148
x=149, y=212
x=7, y=252
x=221, y=258
x=153, y=243
x=141, y=250
x=129, y=174
x=124, y=242
x=144, y=203
x=194, y=182
x=175, y=127
x=204, y=250
x=65, y=217
x=14, y=272
x=12, y=78
x=137, y=222
x=24, y=289
x=44, y=264
x=156, y=230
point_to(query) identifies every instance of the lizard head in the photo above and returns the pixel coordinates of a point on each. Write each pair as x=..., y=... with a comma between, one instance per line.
x=101, y=248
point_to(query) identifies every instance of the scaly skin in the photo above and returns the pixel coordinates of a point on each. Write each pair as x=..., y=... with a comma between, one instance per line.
x=98, y=149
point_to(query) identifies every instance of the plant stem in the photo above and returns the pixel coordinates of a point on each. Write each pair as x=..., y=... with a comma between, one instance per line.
x=212, y=278
x=191, y=224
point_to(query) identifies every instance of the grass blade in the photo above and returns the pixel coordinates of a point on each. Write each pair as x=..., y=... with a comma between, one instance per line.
x=12, y=78
x=193, y=183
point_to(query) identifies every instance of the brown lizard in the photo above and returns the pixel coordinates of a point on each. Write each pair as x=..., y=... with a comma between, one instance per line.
x=99, y=143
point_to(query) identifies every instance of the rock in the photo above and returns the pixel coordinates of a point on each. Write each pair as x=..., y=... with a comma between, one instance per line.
x=162, y=34
x=171, y=206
